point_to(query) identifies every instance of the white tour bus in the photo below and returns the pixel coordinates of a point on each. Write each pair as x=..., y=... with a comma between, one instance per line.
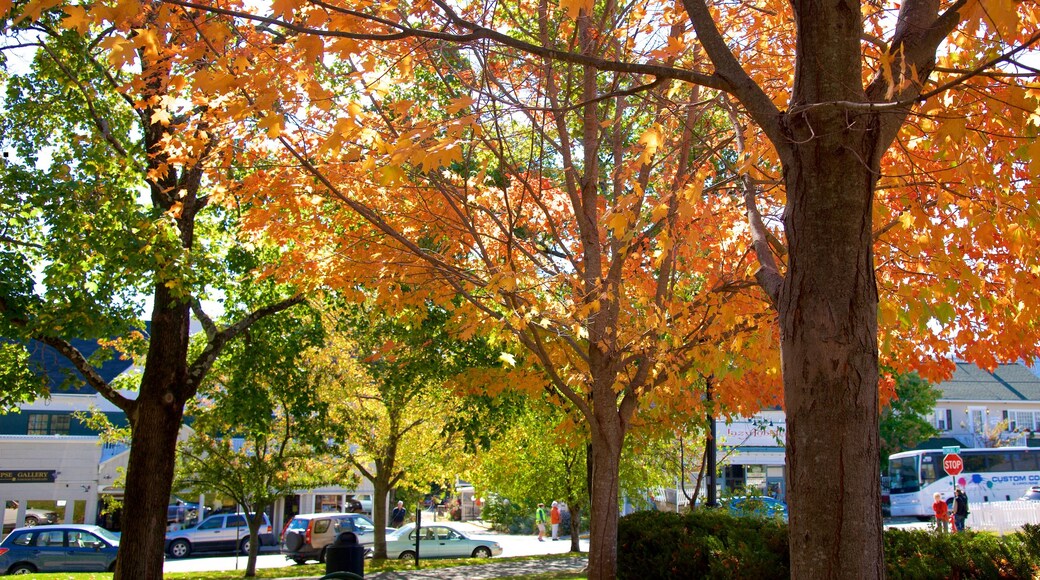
x=997, y=474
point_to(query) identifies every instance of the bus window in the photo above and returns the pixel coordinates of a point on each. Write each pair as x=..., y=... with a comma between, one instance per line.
x=975, y=463
x=903, y=474
x=931, y=468
x=1026, y=460
x=999, y=462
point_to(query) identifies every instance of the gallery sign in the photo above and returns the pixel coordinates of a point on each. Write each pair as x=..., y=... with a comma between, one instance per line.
x=28, y=476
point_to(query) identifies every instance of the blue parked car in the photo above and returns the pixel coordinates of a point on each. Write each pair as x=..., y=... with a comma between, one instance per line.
x=59, y=548
x=756, y=505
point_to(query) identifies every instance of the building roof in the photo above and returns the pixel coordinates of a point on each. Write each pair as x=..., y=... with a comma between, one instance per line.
x=1008, y=382
x=61, y=375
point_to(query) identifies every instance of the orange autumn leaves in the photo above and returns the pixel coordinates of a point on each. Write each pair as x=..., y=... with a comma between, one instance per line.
x=464, y=196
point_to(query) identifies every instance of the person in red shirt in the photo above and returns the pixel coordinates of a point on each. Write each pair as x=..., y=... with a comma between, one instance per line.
x=554, y=519
x=942, y=515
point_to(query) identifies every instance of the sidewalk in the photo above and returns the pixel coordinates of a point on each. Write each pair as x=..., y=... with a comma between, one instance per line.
x=479, y=571
x=487, y=571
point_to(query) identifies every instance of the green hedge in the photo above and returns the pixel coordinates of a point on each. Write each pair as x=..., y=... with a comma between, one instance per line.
x=714, y=544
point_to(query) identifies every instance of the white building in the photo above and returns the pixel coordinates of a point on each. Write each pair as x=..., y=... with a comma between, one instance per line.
x=979, y=408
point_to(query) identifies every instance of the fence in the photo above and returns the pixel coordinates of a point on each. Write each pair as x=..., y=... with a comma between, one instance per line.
x=1002, y=516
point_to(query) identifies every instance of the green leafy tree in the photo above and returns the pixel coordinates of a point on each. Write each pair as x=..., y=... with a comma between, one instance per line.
x=20, y=383
x=106, y=203
x=906, y=420
x=259, y=430
x=384, y=379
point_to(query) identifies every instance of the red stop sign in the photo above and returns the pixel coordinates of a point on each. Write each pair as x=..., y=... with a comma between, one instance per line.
x=953, y=464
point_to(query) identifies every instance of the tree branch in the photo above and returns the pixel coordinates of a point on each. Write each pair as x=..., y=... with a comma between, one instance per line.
x=216, y=344
x=93, y=378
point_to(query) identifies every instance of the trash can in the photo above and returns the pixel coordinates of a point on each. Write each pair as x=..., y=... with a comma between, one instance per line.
x=346, y=554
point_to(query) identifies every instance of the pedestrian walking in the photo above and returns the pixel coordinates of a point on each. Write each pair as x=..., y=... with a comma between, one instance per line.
x=397, y=515
x=554, y=520
x=540, y=519
x=960, y=509
x=942, y=514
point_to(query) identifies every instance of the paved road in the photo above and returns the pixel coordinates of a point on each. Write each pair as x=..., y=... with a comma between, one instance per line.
x=512, y=545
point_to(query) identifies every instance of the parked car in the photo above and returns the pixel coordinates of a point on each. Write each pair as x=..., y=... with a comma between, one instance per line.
x=59, y=548
x=439, y=541
x=217, y=533
x=364, y=502
x=1032, y=494
x=756, y=505
x=33, y=517
x=351, y=506
x=182, y=512
x=307, y=535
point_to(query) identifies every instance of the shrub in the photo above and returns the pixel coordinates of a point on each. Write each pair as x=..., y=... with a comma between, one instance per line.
x=701, y=544
x=716, y=544
x=507, y=516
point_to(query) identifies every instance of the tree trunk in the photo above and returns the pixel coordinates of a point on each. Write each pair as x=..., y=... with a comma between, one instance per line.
x=606, y=459
x=149, y=478
x=828, y=317
x=380, y=490
x=254, y=520
x=154, y=423
x=575, y=528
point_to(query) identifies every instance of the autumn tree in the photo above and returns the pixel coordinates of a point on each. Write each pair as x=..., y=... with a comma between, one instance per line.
x=107, y=165
x=587, y=215
x=550, y=168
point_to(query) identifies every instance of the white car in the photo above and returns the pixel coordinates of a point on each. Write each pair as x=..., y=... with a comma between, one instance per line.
x=440, y=540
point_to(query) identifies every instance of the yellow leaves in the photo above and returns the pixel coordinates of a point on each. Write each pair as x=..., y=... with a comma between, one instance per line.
x=312, y=47
x=573, y=8
x=459, y=104
x=617, y=223
x=5, y=6
x=75, y=17
x=161, y=116
x=120, y=51
x=146, y=40
x=32, y=10
x=283, y=7
x=507, y=358
x=345, y=127
x=1004, y=16
x=273, y=123
x=650, y=140
x=125, y=11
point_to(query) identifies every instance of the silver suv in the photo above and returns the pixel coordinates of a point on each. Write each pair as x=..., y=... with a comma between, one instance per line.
x=33, y=517
x=219, y=532
x=307, y=535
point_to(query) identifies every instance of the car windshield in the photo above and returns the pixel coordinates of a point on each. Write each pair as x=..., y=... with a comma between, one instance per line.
x=107, y=535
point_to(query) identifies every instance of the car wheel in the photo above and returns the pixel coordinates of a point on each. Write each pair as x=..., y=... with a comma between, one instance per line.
x=321, y=556
x=31, y=521
x=180, y=548
x=112, y=566
x=482, y=552
x=243, y=546
x=293, y=541
x=407, y=555
x=21, y=569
